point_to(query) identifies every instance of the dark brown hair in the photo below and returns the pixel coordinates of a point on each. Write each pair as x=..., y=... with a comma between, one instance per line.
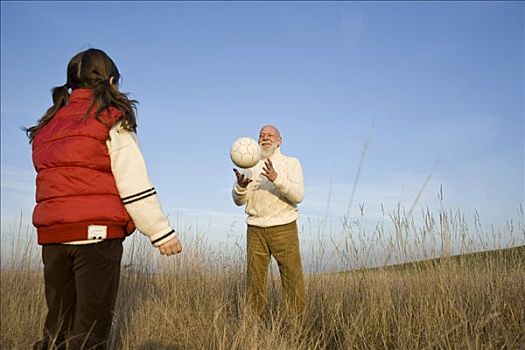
x=91, y=69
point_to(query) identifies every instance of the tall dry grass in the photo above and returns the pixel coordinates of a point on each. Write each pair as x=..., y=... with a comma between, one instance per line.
x=196, y=300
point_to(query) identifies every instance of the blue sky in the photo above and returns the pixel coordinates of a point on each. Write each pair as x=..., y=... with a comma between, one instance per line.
x=438, y=86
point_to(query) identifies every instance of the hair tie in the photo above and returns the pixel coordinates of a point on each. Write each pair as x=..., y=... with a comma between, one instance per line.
x=103, y=82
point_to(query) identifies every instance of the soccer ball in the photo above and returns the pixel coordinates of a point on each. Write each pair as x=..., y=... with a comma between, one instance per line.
x=245, y=152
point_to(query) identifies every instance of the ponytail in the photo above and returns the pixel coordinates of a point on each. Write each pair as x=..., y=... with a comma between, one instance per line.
x=105, y=96
x=91, y=69
x=60, y=96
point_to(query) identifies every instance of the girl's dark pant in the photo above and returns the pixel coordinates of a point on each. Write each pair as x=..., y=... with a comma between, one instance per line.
x=81, y=283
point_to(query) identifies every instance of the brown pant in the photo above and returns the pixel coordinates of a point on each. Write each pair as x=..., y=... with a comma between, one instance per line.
x=283, y=243
x=81, y=283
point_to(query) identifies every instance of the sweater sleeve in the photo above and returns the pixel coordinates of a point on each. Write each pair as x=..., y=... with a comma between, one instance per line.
x=290, y=184
x=239, y=194
x=135, y=188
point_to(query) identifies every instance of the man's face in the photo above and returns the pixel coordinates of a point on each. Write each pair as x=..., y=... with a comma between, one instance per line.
x=269, y=138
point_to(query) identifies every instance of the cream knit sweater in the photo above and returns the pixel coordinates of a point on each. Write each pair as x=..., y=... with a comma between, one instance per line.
x=271, y=204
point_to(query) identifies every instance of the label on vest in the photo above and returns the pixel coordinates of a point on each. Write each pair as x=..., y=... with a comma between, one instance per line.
x=97, y=232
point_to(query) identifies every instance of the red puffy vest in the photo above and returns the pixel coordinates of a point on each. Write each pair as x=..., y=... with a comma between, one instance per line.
x=76, y=193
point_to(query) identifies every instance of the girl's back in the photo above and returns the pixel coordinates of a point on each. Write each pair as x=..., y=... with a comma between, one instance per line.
x=92, y=188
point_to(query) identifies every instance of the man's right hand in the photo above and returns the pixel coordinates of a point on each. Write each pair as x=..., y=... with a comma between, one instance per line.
x=242, y=180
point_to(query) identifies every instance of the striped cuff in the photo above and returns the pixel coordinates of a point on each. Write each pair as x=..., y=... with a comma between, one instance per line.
x=139, y=196
x=159, y=240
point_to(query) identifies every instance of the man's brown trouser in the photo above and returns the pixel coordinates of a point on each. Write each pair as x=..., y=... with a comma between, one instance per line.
x=283, y=243
x=81, y=283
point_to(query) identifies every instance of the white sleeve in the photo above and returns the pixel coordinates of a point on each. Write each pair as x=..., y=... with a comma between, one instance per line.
x=239, y=194
x=135, y=188
x=291, y=183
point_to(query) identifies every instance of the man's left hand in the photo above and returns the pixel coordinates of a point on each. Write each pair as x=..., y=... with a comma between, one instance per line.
x=268, y=170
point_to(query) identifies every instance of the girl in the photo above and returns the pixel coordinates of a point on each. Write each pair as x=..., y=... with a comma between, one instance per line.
x=92, y=190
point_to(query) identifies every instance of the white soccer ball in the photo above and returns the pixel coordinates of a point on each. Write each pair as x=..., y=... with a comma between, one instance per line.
x=245, y=152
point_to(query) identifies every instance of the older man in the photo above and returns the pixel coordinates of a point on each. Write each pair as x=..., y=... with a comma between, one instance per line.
x=271, y=191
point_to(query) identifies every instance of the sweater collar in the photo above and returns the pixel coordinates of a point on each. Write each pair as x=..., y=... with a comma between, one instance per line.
x=277, y=153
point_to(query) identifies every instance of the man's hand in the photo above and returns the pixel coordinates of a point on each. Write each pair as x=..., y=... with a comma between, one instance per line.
x=268, y=170
x=242, y=180
x=171, y=247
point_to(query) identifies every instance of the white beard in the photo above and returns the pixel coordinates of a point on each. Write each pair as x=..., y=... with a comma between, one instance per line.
x=268, y=152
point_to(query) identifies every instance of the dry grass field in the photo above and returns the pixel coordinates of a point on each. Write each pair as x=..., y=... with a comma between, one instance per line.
x=196, y=300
